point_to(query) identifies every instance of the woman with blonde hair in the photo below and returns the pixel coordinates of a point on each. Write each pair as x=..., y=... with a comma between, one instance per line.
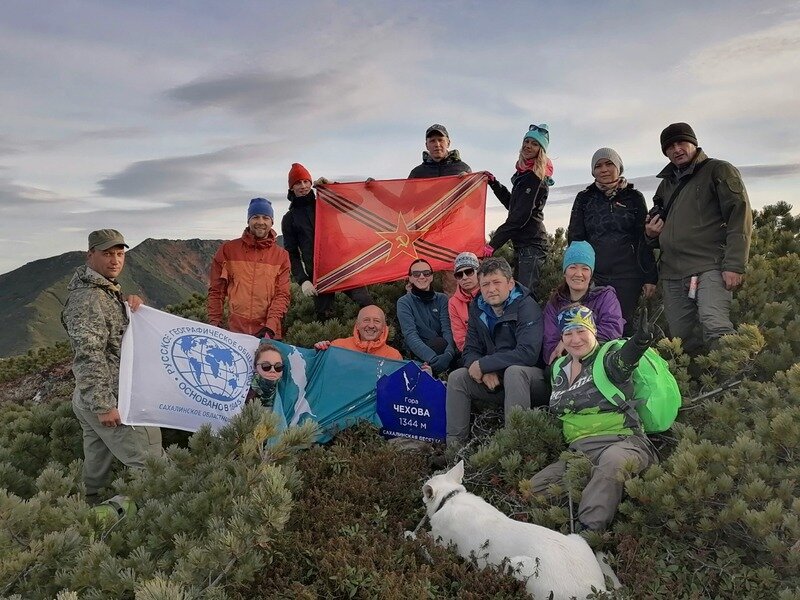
x=524, y=226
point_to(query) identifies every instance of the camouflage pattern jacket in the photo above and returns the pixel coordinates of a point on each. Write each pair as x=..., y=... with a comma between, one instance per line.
x=95, y=319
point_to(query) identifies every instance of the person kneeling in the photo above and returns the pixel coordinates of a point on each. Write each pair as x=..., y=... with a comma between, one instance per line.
x=611, y=437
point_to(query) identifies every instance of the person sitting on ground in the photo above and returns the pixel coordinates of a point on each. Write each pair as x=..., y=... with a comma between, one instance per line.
x=369, y=335
x=298, y=230
x=424, y=320
x=504, y=340
x=268, y=366
x=578, y=287
x=465, y=270
x=610, y=436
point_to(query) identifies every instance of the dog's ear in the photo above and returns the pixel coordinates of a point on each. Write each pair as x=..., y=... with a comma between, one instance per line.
x=427, y=492
x=456, y=474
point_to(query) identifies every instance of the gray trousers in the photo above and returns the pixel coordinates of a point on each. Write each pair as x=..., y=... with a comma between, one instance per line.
x=130, y=445
x=518, y=385
x=603, y=493
x=700, y=321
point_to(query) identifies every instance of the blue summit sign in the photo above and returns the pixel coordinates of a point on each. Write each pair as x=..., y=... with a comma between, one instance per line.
x=411, y=404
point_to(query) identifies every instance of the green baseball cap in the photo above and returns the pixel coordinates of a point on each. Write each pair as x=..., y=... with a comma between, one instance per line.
x=103, y=239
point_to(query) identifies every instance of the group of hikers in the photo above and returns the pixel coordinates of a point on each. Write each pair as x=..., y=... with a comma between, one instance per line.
x=486, y=333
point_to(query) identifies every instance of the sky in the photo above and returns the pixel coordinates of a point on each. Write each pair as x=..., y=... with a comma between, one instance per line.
x=162, y=119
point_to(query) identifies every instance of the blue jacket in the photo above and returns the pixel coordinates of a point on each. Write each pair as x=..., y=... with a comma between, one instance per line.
x=514, y=338
x=421, y=321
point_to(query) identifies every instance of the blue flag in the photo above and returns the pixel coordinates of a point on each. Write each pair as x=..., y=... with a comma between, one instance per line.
x=334, y=387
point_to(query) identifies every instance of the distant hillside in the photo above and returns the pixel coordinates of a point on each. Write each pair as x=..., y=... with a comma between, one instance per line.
x=31, y=297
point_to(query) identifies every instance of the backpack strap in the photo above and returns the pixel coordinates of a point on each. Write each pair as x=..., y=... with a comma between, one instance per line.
x=682, y=185
x=556, y=367
x=610, y=391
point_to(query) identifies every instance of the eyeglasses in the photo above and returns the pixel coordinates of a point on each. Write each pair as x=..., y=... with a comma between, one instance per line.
x=464, y=273
x=425, y=273
x=268, y=366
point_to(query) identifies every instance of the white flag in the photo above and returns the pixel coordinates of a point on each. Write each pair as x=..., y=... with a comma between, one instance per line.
x=182, y=374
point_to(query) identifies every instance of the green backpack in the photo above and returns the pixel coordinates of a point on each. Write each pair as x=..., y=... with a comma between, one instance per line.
x=654, y=388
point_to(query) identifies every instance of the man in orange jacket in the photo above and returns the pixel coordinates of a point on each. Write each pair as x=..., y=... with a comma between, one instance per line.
x=369, y=335
x=252, y=272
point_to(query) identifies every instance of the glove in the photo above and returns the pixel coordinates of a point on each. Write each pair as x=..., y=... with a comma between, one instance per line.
x=308, y=288
x=441, y=362
x=487, y=251
x=321, y=181
x=489, y=177
x=645, y=330
x=265, y=333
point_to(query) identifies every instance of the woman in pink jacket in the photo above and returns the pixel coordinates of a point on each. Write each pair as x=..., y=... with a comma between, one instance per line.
x=465, y=269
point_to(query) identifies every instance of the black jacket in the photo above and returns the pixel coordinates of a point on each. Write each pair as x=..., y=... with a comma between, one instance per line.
x=450, y=165
x=615, y=229
x=297, y=228
x=525, y=203
x=515, y=339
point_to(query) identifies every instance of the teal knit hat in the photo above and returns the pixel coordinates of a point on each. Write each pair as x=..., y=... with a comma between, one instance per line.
x=540, y=133
x=578, y=253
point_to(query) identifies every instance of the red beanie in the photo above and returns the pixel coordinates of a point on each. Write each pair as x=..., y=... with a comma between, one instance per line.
x=298, y=173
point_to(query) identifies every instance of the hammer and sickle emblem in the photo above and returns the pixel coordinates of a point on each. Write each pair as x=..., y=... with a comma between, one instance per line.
x=402, y=241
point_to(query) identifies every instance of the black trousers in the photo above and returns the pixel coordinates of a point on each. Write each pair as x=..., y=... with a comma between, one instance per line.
x=323, y=303
x=628, y=293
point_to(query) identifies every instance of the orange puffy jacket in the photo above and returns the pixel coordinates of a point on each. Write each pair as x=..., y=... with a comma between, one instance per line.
x=254, y=275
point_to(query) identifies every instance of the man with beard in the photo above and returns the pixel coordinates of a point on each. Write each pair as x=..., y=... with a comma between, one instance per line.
x=369, y=335
x=252, y=272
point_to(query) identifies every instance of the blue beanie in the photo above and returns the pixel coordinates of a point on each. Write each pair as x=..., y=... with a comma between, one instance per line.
x=260, y=206
x=578, y=253
x=540, y=133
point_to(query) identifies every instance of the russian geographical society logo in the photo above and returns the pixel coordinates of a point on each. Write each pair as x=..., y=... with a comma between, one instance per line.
x=210, y=367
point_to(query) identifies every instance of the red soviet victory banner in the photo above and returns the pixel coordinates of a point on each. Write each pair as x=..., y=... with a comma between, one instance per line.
x=371, y=232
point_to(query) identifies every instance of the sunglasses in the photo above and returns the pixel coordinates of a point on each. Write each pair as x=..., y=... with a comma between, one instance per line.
x=268, y=366
x=464, y=273
x=536, y=128
x=425, y=273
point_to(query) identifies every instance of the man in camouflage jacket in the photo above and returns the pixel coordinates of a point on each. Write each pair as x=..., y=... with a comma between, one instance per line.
x=95, y=319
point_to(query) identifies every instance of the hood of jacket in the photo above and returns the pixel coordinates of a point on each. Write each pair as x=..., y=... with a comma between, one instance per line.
x=670, y=169
x=299, y=201
x=370, y=346
x=86, y=277
x=465, y=297
x=250, y=240
x=452, y=156
x=487, y=312
x=593, y=292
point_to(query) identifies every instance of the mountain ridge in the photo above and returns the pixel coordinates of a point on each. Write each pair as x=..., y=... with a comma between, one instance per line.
x=32, y=296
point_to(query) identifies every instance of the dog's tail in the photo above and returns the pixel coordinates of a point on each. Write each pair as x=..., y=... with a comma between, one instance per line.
x=608, y=572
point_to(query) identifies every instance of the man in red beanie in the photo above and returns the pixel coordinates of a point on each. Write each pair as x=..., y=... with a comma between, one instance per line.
x=702, y=222
x=252, y=272
x=297, y=227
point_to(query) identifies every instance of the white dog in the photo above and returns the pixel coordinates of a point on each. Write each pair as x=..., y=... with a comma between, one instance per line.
x=550, y=562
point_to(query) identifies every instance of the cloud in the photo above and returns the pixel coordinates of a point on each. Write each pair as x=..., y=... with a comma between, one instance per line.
x=178, y=176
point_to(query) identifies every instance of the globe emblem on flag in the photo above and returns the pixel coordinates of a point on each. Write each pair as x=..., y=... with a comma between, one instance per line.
x=211, y=366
